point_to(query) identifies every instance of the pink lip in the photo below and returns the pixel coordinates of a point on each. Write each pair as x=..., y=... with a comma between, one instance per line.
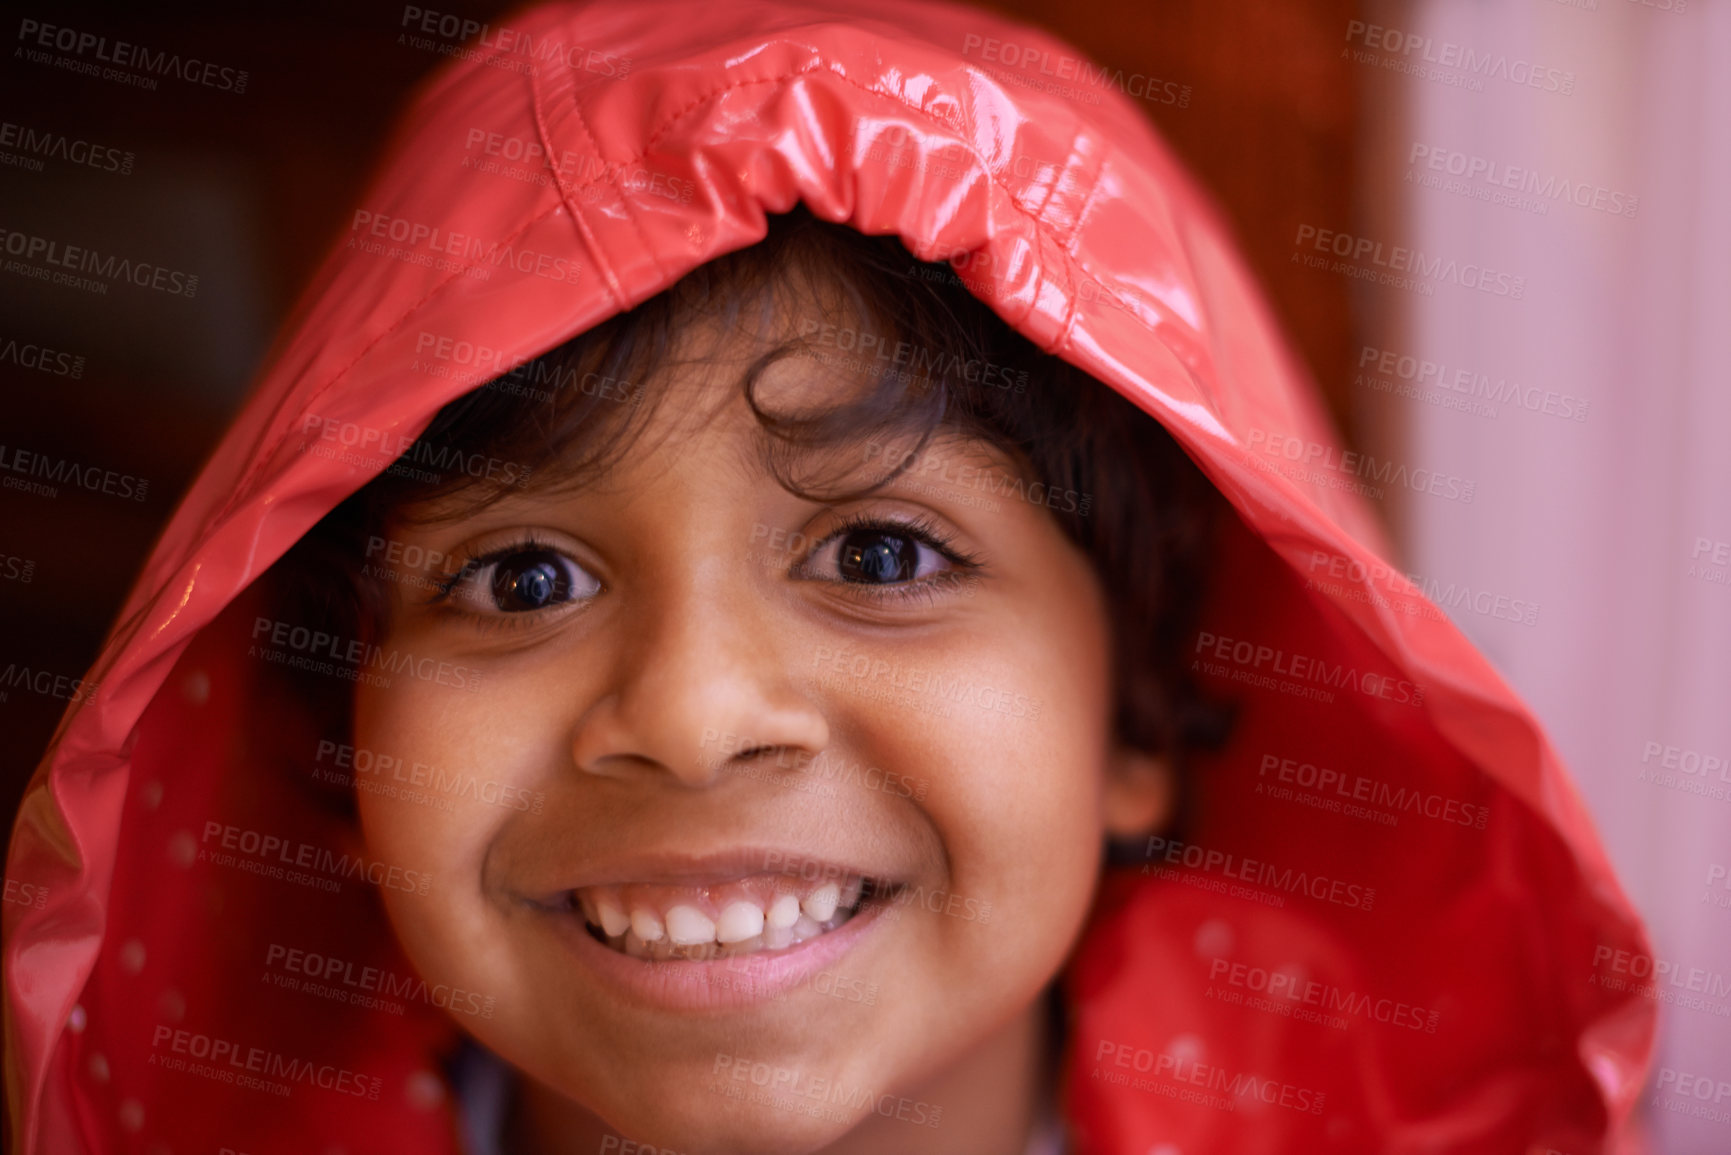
x=738, y=983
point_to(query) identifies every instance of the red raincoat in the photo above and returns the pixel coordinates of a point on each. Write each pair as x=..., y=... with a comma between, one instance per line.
x=1300, y=975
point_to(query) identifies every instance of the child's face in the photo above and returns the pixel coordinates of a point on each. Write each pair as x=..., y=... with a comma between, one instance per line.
x=705, y=708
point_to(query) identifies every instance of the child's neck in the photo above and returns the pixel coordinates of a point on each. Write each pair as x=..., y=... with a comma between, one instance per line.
x=992, y=1097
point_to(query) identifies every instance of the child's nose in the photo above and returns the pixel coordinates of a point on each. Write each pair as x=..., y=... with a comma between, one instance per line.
x=700, y=684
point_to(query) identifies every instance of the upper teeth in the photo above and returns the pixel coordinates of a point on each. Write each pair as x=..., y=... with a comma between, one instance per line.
x=782, y=913
x=764, y=912
x=688, y=926
x=740, y=921
x=821, y=903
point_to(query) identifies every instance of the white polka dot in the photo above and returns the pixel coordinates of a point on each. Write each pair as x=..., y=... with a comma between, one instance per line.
x=75, y=1020
x=182, y=848
x=196, y=687
x=1165, y=1149
x=426, y=1090
x=131, y=1114
x=151, y=795
x=99, y=1067
x=1214, y=939
x=172, y=1004
x=1185, y=1049
x=132, y=956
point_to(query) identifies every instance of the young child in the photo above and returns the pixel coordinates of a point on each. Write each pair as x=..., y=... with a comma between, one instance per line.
x=783, y=595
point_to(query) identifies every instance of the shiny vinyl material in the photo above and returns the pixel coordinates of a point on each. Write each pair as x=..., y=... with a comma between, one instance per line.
x=1292, y=977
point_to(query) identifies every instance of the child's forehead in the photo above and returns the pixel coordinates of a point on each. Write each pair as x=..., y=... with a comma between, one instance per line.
x=728, y=454
x=743, y=354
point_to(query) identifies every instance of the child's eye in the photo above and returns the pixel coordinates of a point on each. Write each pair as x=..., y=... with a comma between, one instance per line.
x=881, y=553
x=521, y=581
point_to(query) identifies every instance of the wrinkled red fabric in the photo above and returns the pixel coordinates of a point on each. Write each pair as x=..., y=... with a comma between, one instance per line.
x=1437, y=984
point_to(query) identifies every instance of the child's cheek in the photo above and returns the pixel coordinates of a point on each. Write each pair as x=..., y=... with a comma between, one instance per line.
x=432, y=799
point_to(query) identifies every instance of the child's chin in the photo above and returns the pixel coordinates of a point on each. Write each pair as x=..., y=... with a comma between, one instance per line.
x=713, y=1124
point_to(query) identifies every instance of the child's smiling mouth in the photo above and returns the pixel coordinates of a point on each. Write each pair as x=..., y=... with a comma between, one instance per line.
x=760, y=913
x=720, y=930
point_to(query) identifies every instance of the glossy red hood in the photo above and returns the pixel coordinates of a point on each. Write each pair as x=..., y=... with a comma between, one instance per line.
x=1388, y=929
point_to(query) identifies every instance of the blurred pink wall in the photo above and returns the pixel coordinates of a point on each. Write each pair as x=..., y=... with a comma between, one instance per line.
x=1585, y=563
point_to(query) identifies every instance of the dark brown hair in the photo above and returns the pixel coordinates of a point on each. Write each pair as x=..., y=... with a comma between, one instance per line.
x=926, y=357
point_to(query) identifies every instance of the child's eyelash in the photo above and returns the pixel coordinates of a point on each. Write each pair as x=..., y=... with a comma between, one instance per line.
x=920, y=527
x=470, y=561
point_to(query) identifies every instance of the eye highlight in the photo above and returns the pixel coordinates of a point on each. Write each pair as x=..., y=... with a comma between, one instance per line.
x=518, y=579
x=880, y=554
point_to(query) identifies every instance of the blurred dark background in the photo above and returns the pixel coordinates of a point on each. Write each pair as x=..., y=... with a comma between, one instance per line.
x=249, y=189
